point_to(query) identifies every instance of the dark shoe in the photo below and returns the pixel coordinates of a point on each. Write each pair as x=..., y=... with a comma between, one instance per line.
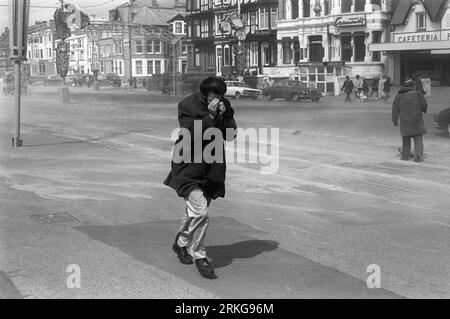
x=205, y=268
x=418, y=160
x=182, y=254
x=404, y=159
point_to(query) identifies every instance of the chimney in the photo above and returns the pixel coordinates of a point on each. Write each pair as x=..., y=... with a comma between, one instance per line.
x=154, y=3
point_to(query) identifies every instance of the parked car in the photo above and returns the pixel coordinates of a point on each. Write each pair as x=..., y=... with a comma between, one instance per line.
x=238, y=89
x=291, y=90
x=442, y=120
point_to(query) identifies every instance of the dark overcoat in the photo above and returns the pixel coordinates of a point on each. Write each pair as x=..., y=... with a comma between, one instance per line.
x=409, y=105
x=209, y=177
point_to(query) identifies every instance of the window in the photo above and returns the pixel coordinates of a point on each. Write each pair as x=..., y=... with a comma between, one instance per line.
x=138, y=46
x=359, y=5
x=157, y=46
x=226, y=56
x=347, y=49
x=254, y=54
x=263, y=18
x=149, y=46
x=273, y=17
x=139, y=67
x=158, y=67
x=49, y=38
x=376, y=38
x=82, y=55
x=307, y=8
x=346, y=6
x=119, y=47
x=120, y=67
x=204, y=5
x=41, y=51
x=316, y=51
x=196, y=29
x=253, y=21
x=41, y=68
x=149, y=67
x=204, y=29
x=421, y=21
x=183, y=49
x=360, y=48
x=196, y=5
x=196, y=57
x=178, y=27
x=287, y=52
x=294, y=9
x=49, y=53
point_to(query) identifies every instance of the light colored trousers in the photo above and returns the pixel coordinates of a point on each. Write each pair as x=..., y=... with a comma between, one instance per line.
x=192, y=230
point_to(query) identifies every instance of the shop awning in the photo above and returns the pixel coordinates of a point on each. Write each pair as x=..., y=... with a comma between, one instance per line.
x=401, y=46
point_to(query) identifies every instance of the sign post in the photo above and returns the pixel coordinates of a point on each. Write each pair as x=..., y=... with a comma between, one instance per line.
x=18, y=19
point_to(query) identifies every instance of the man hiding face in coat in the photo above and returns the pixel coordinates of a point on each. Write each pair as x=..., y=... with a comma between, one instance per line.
x=408, y=106
x=196, y=179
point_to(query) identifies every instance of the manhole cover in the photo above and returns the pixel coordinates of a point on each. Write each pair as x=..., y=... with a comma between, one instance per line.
x=54, y=218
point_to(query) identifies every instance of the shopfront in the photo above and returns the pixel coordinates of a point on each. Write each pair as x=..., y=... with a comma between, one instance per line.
x=419, y=42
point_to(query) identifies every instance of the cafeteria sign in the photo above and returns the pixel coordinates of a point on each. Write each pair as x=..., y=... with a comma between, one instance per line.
x=348, y=21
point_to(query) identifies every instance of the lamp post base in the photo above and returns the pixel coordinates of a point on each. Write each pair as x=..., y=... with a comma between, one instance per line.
x=16, y=142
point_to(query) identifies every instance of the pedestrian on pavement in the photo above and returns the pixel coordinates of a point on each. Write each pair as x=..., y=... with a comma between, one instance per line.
x=358, y=88
x=130, y=83
x=419, y=84
x=347, y=88
x=409, y=105
x=387, y=89
x=198, y=181
x=375, y=88
x=365, y=90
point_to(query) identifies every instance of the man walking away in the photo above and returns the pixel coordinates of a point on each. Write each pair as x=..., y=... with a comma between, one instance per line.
x=347, y=88
x=409, y=105
x=358, y=88
x=375, y=88
x=387, y=89
x=199, y=181
x=419, y=84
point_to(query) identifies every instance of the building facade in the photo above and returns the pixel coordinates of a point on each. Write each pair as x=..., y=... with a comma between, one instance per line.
x=142, y=52
x=419, y=41
x=319, y=40
x=5, y=61
x=41, y=49
x=211, y=49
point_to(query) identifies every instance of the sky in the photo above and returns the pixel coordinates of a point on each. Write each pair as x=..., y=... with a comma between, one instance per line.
x=97, y=7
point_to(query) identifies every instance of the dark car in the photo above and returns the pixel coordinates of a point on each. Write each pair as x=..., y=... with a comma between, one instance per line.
x=291, y=90
x=442, y=120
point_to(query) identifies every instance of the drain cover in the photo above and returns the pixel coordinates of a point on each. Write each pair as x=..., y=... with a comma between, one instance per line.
x=54, y=218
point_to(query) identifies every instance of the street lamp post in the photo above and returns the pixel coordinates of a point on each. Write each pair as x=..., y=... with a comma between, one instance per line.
x=19, y=13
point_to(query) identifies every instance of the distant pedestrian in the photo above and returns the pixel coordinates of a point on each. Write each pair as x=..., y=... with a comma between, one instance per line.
x=375, y=88
x=387, y=89
x=408, y=106
x=365, y=90
x=130, y=83
x=358, y=88
x=197, y=180
x=347, y=87
x=419, y=84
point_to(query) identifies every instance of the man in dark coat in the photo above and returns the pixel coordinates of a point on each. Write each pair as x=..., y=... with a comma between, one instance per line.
x=419, y=84
x=195, y=177
x=409, y=105
x=347, y=88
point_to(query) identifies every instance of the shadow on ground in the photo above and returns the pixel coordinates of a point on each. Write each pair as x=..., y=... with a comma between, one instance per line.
x=246, y=267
